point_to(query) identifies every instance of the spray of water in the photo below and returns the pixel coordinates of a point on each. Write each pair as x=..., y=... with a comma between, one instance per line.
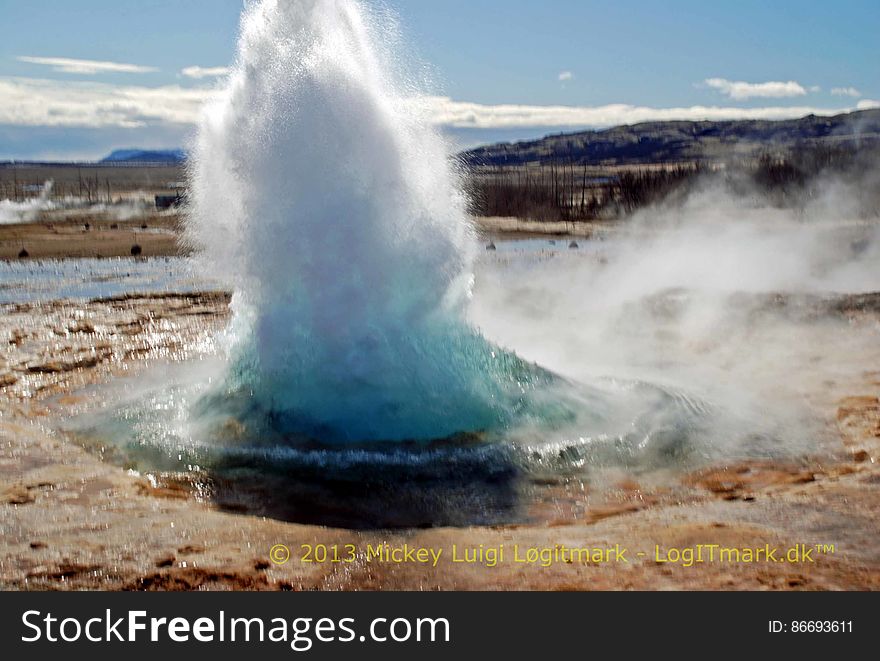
x=322, y=198
x=333, y=211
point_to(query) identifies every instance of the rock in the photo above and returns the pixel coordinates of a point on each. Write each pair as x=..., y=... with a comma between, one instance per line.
x=55, y=366
x=16, y=337
x=64, y=572
x=857, y=404
x=166, y=561
x=490, y=246
x=81, y=327
x=573, y=245
x=191, y=548
x=23, y=254
x=18, y=494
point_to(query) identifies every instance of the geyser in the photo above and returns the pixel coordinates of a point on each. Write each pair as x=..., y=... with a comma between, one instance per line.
x=331, y=207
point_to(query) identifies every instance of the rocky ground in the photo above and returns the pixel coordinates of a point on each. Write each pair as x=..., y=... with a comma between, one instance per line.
x=71, y=521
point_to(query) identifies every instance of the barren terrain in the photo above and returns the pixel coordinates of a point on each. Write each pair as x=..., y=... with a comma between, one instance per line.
x=72, y=521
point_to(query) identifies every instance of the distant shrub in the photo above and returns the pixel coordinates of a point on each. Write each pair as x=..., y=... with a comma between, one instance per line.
x=562, y=191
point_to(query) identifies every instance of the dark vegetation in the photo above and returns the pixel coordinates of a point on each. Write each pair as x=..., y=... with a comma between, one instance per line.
x=595, y=175
x=787, y=177
x=801, y=174
x=562, y=192
x=88, y=181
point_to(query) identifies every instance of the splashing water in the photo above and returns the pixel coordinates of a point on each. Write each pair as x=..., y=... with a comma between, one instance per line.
x=333, y=210
x=321, y=196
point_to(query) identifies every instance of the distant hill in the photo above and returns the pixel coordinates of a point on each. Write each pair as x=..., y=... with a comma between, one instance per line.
x=676, y=141
x=171, y=156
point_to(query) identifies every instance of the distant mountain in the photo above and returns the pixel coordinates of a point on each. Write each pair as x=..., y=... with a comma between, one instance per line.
x=170, y=156
x=663, y=142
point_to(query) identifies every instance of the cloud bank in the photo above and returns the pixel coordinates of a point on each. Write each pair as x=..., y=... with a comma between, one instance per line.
x=846, y=91
x=741, y=90
x=66, y=104
x=198, y=72
x=36, y=102
x=85, y=67
x=460, y=114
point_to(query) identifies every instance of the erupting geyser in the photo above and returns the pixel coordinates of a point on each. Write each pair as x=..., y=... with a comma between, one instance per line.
x=321, y=195
x=331, y=207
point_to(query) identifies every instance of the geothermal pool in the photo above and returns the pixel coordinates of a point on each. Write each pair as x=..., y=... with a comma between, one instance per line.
x=641, y=392
x=46, y=280
x=382, y=368
x=145, y=422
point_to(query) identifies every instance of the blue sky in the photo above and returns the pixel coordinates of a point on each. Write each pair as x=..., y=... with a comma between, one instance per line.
x=503, y=69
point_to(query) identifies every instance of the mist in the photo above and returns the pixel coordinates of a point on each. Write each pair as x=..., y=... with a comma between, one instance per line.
x=720, y=296
x=39, y=208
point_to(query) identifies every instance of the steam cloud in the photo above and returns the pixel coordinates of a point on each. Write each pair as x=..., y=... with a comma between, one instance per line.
x=719, y=295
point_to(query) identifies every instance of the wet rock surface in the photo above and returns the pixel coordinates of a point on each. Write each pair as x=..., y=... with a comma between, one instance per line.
x=57, y=346
x=71, y=521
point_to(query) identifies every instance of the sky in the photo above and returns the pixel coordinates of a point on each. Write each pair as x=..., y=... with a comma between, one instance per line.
x=79, y=78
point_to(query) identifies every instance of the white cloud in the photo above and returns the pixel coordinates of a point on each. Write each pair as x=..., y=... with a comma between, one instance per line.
x=85, y=67
x=846, y=91
x=740, y=90
x=204, y=72
x=565, y=75
x=37, y=102
x=459, y=114
x=867, y=104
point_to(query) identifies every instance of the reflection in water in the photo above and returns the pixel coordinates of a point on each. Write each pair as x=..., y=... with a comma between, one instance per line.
x=30, y=281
